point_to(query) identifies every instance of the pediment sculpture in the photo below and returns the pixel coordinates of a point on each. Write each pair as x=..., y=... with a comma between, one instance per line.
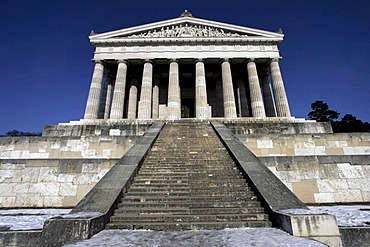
x=186, y=31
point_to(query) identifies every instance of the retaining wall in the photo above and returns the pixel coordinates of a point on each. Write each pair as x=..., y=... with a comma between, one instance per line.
x=58, y=171
x=53, y=171
x=320, y=168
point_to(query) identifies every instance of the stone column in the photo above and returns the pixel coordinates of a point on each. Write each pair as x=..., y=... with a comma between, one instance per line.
x=228, y=90
x=174, y=98
x=282, y=105
x=92, y=105
x=242, y=99
x=268, y=96
x=145, y=103
x=118, y=102
x=258, y=109
x=132, y=100
x=201, y=106
x=108, y=98
x=155, y=106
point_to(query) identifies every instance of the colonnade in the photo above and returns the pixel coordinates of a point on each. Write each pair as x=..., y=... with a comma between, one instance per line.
x=260, y=94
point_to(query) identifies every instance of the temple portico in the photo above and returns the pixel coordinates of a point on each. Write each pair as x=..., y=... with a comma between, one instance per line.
x=186, y=68
x=183, y=88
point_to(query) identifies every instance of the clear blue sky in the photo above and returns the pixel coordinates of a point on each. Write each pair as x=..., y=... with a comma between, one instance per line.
x=45, y=52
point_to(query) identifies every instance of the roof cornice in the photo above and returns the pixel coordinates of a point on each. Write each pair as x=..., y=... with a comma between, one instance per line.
x=197, y=40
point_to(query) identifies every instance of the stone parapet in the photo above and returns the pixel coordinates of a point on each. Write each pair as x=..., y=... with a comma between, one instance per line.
x=92, y=147
x=98, y=127
x=272, y=125
x=307, y=144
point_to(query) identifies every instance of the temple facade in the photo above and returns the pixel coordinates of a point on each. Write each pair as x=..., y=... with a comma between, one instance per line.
x=186, y=68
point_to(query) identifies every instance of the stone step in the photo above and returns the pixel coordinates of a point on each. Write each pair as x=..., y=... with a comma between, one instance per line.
x=182, y=151
x=198, y=204
x=209, y=163
x=156, y=177
x=201, y=176
x=142, y=188
x=190, y=173
x=204, y=180
x=186, y=210
x=188, y=193
x=188, y=181
x=177, y=157
x=181, y=226
x=182, y=167
x=200, y=156
x=195, y=146
x=180, y=184
x=187, y=217
x=178, y=198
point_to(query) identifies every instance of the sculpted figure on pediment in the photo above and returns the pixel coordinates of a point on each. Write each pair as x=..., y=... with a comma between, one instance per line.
x=187, y=31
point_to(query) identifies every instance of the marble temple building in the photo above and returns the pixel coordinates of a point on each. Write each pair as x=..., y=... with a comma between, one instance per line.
x=186, y=67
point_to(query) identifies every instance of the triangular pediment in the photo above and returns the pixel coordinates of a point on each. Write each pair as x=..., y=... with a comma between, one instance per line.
x=186, y=27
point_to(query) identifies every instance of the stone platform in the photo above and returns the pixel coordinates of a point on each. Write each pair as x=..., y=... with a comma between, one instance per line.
x=244, y=125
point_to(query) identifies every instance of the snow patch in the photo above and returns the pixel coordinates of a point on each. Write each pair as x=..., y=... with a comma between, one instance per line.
x=80, y=215
x=358, y=215
x=228, y=237
x=27, y=219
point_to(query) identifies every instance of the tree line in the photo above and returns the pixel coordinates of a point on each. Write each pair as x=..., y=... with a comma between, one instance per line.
x=348, y=123
x=21, y=133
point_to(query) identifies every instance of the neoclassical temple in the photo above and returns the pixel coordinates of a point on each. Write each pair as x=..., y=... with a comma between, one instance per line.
x=186, y=68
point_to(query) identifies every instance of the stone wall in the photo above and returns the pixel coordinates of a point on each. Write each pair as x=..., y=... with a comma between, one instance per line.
x=325, y=179
x=320, y=168
x=48, y=182
x=53, y=171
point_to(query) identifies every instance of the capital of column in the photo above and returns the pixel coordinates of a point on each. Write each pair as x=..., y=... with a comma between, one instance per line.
x=275, y=59
x=225, y=59
x=96, y=61
x=198, y=60
x=251, y=59
x=173, y=60
x=148, y=61
x=122, y=61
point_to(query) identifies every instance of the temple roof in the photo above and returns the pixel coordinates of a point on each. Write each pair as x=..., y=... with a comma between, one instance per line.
x=185, y=27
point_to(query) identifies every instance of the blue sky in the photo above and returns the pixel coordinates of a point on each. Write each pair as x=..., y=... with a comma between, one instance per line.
x=45, y=52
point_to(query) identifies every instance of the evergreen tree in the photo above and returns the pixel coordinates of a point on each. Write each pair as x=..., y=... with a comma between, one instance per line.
x=321, y=112
x=349, y=123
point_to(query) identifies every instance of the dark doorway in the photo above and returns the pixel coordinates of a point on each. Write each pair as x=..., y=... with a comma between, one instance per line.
x=187, y=108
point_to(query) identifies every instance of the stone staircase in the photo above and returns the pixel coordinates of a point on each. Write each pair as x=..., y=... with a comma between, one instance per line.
x=188, y=181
